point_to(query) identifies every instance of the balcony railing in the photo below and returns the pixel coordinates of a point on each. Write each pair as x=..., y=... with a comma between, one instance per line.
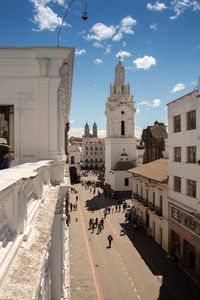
x=158, y=211
x=151, y=206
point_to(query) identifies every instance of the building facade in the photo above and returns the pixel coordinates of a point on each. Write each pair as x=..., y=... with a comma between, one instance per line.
x=150, y=199
x=93, y=149
x=35, y=99
x=155, y=141
x=184, y=180
x=120, y=138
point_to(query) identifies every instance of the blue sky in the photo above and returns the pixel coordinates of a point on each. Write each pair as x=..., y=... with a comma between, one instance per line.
x=158, y=41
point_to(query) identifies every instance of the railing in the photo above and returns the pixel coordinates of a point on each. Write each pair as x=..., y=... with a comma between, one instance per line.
x=151, y=206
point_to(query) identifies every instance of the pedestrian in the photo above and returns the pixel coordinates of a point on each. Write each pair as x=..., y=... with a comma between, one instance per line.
x=93, y=225
x=90, y=222
x=126, y=216
x=74, y=206
x=71, y=206
x=76, y=198
x=96, y=222
x=124, y=207
x=102, y=223
x=112, y=210
x=105, y=213
x=110, y=238
x=99, y=227
x=116, y=208
x=94, y=192
x=119, y=208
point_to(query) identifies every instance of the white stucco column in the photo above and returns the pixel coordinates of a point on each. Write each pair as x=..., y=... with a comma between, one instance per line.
x=61, y=128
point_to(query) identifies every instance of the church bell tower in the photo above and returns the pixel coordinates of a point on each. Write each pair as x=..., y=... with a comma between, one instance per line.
x=120, y=138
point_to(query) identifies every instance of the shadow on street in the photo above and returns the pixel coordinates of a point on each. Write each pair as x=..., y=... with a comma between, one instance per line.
x=177, y=285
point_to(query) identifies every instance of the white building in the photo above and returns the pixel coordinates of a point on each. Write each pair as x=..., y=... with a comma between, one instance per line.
x=120, y=142
x=150, y=198
x=35, y=85
x=93, y=149
x=35, y=99
x=184, y=180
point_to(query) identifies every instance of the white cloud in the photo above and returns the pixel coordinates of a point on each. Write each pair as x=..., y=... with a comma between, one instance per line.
x=124, y=28
x=108, y=49
x=145, y=62
x=98, y=61
x=138, y=132
x=78, y=132
x=101, y=32
x=118, y=37
x=153, y=27
x=97, y=45
x=137, y=111
x=178, y=87
x=156, y=102
x=158, y=6
x=123, y=54
x=45, y=18
x=80, y=52
x=179, y=6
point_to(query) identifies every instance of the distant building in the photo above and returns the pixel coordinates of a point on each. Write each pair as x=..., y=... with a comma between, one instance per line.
x=155, y=141
x=150, y=199
x=120, y=142
x=93, y=149
x=184, y=180
x=73, y=140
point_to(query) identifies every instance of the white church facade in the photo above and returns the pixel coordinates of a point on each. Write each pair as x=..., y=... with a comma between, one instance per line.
x=120, y=142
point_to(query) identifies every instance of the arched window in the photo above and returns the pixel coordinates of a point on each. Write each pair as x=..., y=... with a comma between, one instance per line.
x=122, y=128
x=72, y=159
x=122, y=89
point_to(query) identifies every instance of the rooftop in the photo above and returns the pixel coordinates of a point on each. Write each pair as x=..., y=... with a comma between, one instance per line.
x=156, y=170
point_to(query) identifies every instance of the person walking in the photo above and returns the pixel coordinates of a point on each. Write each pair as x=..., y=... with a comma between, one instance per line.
x=93, y=225
x=96, y=222
x=116, y=208
x=76, y=198
x=102, y=223
x=105, y=213
x=110, y=238
x=71, y=206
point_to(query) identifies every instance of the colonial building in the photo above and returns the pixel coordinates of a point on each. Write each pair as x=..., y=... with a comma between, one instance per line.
x=93, y=149
x=35, y=99
x=120, y=142
x=184, y=180
x=155, y=141
x=150, y=199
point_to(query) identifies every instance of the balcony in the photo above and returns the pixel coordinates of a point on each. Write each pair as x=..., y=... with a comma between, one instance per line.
x=158, y=211
x=151, y=206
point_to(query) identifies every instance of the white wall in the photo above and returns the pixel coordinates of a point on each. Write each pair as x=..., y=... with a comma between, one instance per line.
x=30, y=79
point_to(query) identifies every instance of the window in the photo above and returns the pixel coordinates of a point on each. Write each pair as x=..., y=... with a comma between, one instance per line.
x=7, y=125
x=137, y=188
x=177, y=184
x=72, y=159
x=122, y=128
x=190, y=223
x=191, y=120
x=122, y=112
x=177, y=123
x=147, y=194
x=86, y=153
x=177, y=154
x=191, y=154
x=122, y=89
x=141, y=191
x=91, y=160
x=126, y=181
x=191, y=188
x=175, y=214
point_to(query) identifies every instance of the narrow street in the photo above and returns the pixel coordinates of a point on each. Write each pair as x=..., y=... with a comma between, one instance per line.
x=117, y=273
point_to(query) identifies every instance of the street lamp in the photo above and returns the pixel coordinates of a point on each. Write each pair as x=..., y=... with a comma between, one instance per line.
x=84, y=17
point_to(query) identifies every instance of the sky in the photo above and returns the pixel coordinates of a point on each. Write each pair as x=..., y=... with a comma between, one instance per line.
x=158, y=42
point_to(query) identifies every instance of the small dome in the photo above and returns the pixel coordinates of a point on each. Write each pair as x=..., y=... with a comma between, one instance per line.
x=123, y=166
